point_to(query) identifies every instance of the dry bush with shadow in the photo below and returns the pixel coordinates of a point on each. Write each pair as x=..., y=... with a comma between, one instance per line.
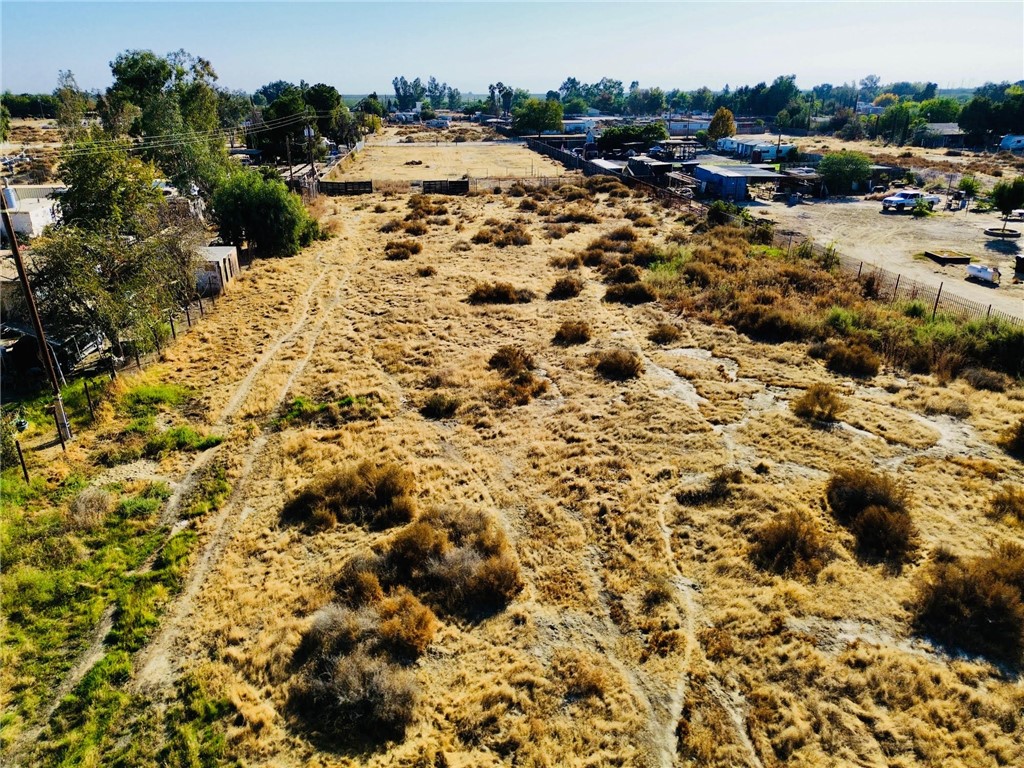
x=440, y=406
x=399, y=250
x=1007, y=504
x=516, y=368
x=574, y=261
x=630, y=294
x=457, y=561
x=664, y=333
x=580, y=675
x=576, y=216
x=391, y=226
x=607, y=185
x=855, y=360
x=503, y=234
x=791, y=543
x=627, y=273
x=377, y=496
x=718, y=488
x=565, y=288
x=619, y=364
x=975, y=605
x=1012, y=440
x=875, y=508
x=572, y=332
x=558, y=231
x=499, y=293
x=427, y=271
x=982, y=378
x=819, y=403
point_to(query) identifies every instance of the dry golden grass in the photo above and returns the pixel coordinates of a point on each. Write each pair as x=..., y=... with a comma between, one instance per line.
x=643, y=632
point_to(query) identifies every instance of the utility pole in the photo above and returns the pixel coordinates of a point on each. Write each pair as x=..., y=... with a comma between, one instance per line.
x=45, y=354
x=291, y=175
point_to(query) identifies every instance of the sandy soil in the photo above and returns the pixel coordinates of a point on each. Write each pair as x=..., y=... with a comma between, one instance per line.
x=859, y=229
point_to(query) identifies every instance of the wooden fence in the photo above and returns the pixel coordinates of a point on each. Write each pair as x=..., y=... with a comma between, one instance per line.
x=336, y=188
x=446, y=187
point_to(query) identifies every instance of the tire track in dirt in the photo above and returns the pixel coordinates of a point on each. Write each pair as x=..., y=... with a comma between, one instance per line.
x=154, y=666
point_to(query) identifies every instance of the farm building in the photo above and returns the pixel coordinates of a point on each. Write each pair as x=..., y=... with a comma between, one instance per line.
x=942, y=135
x=729, y=182
x=217, y=268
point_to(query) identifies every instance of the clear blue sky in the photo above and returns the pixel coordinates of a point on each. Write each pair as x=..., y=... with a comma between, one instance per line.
x=360, y=47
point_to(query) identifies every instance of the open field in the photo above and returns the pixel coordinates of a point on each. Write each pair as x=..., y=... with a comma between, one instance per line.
x=894, y=241
x=629, y=482
x=394, y=162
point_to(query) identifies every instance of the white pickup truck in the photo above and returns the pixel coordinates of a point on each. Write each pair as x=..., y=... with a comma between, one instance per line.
x=908, y=198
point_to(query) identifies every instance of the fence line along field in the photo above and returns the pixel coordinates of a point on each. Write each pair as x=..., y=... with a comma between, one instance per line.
x=484, y=500
x=413, y=162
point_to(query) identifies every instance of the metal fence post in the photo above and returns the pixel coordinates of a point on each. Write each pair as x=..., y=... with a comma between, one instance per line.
x=21, y=458
x=936, y=307
x=896, y=288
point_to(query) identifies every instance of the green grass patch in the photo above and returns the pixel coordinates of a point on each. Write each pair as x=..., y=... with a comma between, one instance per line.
x=146, y=399
x=182, y=438
x=210, y=493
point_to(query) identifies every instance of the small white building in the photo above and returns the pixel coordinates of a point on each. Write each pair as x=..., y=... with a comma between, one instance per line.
x=218, y=266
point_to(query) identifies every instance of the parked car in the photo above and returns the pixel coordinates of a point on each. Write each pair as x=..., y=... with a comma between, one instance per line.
x=908, y=198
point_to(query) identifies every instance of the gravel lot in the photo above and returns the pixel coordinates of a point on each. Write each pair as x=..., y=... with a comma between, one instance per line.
x=893, y=241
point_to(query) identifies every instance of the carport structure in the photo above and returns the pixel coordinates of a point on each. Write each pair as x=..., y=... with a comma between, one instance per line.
x=730, y=181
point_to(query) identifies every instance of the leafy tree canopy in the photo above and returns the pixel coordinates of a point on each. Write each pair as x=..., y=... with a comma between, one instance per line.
x=840, y=170
x=536, y=116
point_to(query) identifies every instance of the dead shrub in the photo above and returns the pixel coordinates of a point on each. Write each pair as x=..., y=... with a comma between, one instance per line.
x=982, y=378
x=718, y=488
x=528, y=204
x=503, y=235
x=622, y=275
x=427, y=271
x=377, y=496
x=664, y=333
x=630, y=294
x=558, y=231
x=565, y=288
x=499, y=293
x=439, y=406
x=90, y=509
x=855, y=360
x=572, y=332
x=461, y=246
x=875, y=509
x=416, y=228
x=391, y=226
x=632, y=213
x=1008, y=503
x=400, y=250
x=570, y=192
x=511, y=360
x=355, y=699
x=582, y=676
x=769, y=323
x=576, y=216
x=619, y=364
x=574, y=261
x=378, y=208
x=645, y=222
x=819, y=403
x=976, y=606
x=622, y=235
x=1012, y=440
x=406, y=625
x=790, y=543
x=852, y=490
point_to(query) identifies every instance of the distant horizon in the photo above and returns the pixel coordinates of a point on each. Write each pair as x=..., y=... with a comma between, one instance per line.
x=359, y=47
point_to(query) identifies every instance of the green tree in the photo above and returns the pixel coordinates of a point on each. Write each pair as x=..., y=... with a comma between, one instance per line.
x=939, y=110
x=107, y=186
x=618, y=136
x=970, y=186
x=250, y=208
x=722, y=124
x=1008, y=196
x=536, y=116
x=5, y=122
x=576, y=105
x=841, y=170
x=884, y=100
x=71, y=104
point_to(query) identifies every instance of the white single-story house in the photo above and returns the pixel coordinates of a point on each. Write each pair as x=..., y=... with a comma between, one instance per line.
x=218, y=266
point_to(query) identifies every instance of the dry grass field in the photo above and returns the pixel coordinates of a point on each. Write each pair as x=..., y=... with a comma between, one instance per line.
x=596, y=482
x=420, y=160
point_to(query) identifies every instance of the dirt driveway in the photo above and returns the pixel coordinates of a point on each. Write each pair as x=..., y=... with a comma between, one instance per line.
x=895, y=241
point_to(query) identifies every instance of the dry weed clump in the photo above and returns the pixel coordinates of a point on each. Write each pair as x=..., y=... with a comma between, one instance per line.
x=607, y=185
x=399, y=250
x=576, y=215
x=427, y=271
x=982, y=378
x=619, y=364
x=565, y=288
x=977, y=605
x=855, y=360
x=664, y=333
x=630, y=294
x=875, y=509
x=582, y=676
x=718, y=488
x=503, y=234
x=440, y=406
x=520, y=384
x=625, y=274
x=558, y=231
x=570, y=192
x=790, y=543
x=391, y=226
x=1012, y=440
x=499, y=293
x=90, y=509
x=572, y=332
x=457, y=561
x=574, y=261
x=819, y=403
x=1008, y=504
x=377, y=496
